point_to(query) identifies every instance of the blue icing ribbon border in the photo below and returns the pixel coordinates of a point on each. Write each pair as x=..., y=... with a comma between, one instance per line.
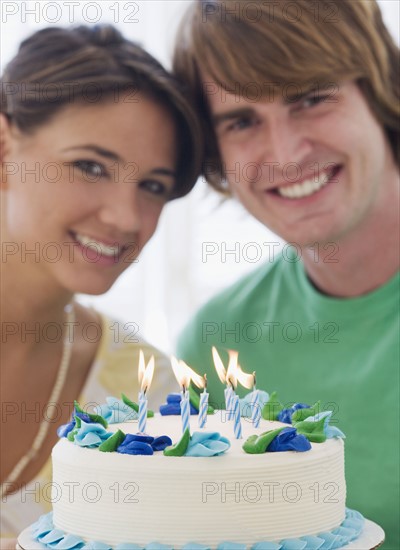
x=44, y=532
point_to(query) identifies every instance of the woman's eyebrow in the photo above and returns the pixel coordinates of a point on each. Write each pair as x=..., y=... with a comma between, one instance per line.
x=98, y=150
x=163, y=172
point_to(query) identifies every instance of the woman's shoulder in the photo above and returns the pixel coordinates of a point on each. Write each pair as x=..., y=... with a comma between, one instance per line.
x=115, y=367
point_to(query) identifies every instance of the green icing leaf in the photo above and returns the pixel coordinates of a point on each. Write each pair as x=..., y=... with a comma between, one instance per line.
x=134, y=405
x=93, y=417
x=258, y=444
x=78, y=407
x=78, y=422
x=98, y=419
x=314, y=431
x=302, y=414
x=194, y=399
x=130, y=403
x=111, y=444
x=72, y=434
x=179, y=449
x=272, y=408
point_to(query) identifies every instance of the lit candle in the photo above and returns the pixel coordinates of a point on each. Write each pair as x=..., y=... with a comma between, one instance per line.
x=255, y=405
x=237, y=425
x=223, y=376
x=145, y=376
x=233, y=373
x=182, y=374
x=203, y=405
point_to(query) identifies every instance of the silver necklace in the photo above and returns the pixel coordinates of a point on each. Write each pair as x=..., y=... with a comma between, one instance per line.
x=54, y=397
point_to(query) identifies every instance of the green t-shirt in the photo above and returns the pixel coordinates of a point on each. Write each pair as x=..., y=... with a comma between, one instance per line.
x=309, y=347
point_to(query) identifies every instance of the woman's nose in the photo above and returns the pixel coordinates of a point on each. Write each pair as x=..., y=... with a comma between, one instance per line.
x=120, y=208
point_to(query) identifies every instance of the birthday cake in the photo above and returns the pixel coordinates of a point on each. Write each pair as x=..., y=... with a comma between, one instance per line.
x=279, y=485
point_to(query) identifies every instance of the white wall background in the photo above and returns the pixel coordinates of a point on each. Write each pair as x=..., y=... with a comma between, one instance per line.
x=201, y=244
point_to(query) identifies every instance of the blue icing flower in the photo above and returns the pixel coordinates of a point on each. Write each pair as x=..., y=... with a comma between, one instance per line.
x=161, y=443
x=245, y=403
x=133, y=446
x=91, y=435
x=195, y=546
x=158, y=546
x=66, y=542
x=63, y=431
x=289, y=440
x=207, y=444
x=285, y=415
x=143, y=438
x=231, y=546
x=173, y=406
x=266, y=546
x=128, y=546
x=329, y=431
x=141, y=444
x=116, y=411
x=95, y=545
x=293, y=544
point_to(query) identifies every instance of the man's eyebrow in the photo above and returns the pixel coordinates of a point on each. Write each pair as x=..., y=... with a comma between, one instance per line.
x=98, y=150
x=218, y=118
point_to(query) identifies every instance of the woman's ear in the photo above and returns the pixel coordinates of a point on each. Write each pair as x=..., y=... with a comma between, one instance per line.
x=5, y=147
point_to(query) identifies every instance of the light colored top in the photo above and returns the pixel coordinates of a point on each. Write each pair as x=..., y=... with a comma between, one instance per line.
x=114, y=370
x=308, y=346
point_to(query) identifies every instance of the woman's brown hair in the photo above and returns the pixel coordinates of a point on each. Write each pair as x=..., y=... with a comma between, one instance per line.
x=280, y=44
x=57, y=66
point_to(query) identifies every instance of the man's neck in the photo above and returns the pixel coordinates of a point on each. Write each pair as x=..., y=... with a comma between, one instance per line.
x=361, y=261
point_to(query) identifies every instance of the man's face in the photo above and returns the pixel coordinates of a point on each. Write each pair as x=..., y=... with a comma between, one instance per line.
x=312, y=170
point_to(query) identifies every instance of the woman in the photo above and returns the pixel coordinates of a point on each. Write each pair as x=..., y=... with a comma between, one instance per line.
x=96, y=138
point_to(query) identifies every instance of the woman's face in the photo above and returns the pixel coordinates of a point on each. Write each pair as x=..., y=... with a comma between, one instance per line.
x=83, y=194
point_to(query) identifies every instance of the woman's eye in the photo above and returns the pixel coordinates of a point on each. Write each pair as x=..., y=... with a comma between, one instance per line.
x=90, y=169
x=155, y=187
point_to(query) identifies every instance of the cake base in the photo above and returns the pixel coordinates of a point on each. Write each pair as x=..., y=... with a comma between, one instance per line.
x=371, y=537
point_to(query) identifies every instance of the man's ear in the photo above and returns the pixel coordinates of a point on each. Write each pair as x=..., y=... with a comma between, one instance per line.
x=5, y=147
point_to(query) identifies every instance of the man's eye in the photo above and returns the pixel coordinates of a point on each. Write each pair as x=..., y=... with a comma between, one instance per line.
x=313, y=100
x=90, y=169
x=155, y=187
x=239, y=124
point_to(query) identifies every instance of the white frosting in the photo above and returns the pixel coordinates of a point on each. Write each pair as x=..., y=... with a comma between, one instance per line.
x=234, y=497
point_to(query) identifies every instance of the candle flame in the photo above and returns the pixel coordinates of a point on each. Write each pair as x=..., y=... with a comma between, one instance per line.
x=234, y=373
x=219, y=366
x=196, y=378
x=182, y=372
x=233, y=369
x=145, y=373
x=245, y=379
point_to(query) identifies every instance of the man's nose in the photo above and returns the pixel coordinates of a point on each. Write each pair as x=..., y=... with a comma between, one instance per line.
x=286, y=142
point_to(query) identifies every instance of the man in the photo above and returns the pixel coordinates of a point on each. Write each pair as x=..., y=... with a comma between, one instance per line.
x=300, y=102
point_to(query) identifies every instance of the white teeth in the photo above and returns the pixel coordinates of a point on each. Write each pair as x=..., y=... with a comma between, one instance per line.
x=308, y=187
x=104, y=249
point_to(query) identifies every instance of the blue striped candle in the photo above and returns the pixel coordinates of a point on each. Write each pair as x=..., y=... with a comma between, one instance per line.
x=203, y=409
x=256, y=409
x=237, y=420
x=142, y=411
x=229, y=394
x=185, y=410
